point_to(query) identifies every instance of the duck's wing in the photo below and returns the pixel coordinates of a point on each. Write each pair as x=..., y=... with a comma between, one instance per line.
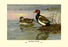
x=43, y=19
x=28, y=20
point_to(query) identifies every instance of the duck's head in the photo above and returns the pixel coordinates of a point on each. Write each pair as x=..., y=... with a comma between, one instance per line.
x=21, y=18
x=37, y=11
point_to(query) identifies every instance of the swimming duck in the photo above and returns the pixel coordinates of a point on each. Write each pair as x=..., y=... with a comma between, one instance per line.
x=25, y=21
x=41, y=19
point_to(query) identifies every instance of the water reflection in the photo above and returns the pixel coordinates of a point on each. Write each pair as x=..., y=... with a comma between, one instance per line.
x=31, y=32
x=38, y=34
x=22, y=27
x=42, y=36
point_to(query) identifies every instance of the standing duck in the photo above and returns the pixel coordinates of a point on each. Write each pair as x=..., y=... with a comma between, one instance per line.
x=41, y=19
x=25, y=21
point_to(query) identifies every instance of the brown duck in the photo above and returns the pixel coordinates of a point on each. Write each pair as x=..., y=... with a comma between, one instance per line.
x=25, y=21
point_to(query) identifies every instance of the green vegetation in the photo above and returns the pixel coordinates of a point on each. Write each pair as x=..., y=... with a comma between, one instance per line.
x=52, y=8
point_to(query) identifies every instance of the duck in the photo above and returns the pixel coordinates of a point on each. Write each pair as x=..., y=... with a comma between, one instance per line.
x=41, y=19
x=25, y=21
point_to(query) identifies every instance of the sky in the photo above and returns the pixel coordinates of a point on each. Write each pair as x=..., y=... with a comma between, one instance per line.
x=14, y=11
x=30, y=6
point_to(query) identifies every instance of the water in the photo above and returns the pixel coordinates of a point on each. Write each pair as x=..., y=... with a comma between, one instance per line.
x=17, y=32
x=31, y=32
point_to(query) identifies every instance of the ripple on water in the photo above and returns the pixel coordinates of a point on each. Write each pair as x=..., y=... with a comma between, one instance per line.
x=15, y=32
